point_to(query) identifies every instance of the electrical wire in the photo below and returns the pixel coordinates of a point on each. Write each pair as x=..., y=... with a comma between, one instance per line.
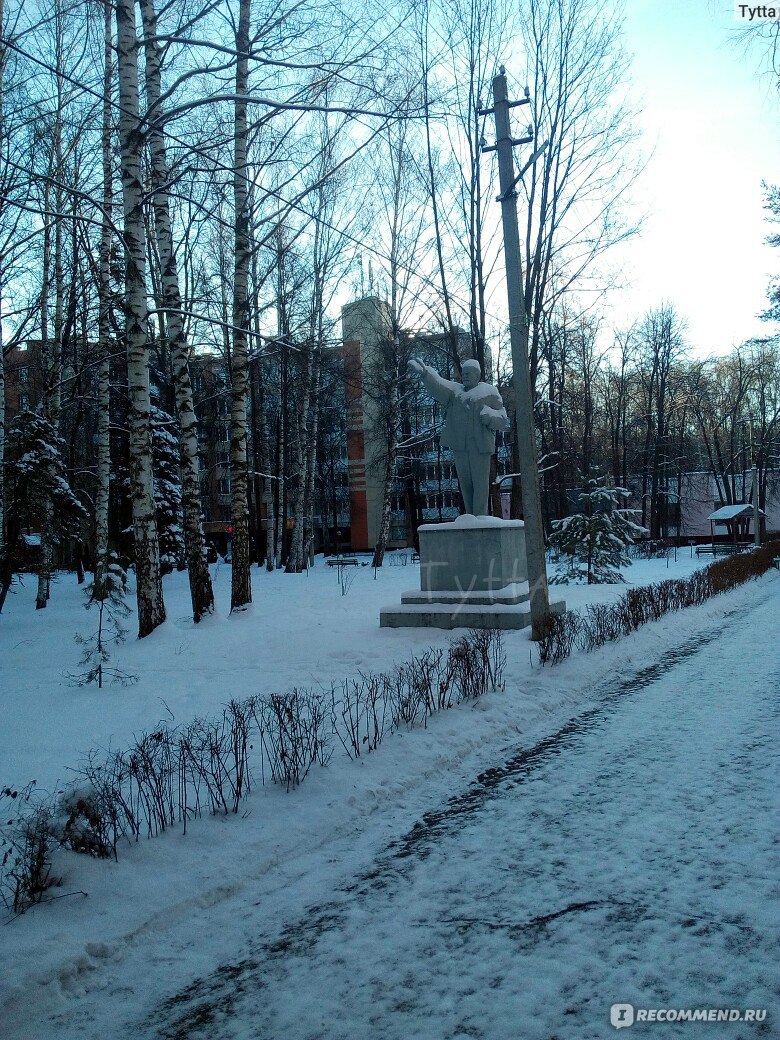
x=287, y=204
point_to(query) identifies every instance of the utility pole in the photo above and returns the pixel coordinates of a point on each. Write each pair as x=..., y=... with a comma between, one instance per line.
x=518, y=335
x=754, y=475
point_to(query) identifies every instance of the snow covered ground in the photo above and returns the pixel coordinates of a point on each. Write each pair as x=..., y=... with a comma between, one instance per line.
x=312, y=902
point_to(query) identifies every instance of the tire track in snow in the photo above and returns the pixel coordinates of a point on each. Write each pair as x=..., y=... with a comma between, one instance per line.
x=201, y=1007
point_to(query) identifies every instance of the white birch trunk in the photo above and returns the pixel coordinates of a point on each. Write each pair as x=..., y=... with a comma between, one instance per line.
x=3, y=548
x=104, y=347
x=261, y=426
x=201, y=591
x=151, y=609
x=241, y=591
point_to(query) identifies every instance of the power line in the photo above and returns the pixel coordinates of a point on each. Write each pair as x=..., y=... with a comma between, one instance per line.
x=287, y=204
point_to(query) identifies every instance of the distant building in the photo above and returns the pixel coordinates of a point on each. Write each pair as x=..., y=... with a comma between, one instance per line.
x=700, y=496
x=426, y=485
x=24, y=381
x=211, y=394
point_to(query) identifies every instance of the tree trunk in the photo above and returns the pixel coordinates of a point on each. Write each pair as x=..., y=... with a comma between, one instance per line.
x=52, y=350
x=201, y=591
x=298, y=549
x=389, y=478
x=261, y=423
x=241, y=593
x=260, y=435
x=311, y=460
x=104, y=349
x=3, y=546
x=151, y=609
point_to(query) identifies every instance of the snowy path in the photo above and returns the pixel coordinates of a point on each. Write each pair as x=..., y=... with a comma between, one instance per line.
x=625, y=858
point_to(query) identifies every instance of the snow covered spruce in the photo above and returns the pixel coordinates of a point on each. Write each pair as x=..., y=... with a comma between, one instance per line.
x=594, y=541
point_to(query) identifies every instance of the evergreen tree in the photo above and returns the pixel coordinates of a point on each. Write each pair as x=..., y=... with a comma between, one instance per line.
x=36, y=482
x=594, y=542
x=109, y=595
x=167, y=490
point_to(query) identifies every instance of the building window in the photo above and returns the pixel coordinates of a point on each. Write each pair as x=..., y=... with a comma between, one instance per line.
x=23, y=375
x=223, y=486
x=24, y=402
x=21, y=348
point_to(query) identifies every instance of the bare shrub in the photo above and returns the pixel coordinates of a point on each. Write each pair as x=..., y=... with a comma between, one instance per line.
x=600, y=625
x=362, y=712
x=648, y=549
x=91, y=824
x=604, y=623
x=377, y=717
x=488, y=644
x=464, y=666
x=213, y=761
x=28, y=840
x=407, y=689
x=292, y=734
x=559, y=634
x=423, y=674
x=147, y=773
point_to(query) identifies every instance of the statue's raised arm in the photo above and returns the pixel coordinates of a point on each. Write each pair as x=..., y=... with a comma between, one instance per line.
x=474, y=412
x=440, y=389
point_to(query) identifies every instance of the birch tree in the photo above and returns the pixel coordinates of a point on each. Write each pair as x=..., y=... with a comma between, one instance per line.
x=103, y=475
x=201, y=591
x=241, y=589
x=402, y=196
x=3, y=548
x=51, y=348
x=151, y=608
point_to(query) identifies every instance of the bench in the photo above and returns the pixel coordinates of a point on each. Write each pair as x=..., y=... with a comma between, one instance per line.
x=716, y=550
x=776, y=563
x=344, y=561
x=415, y=557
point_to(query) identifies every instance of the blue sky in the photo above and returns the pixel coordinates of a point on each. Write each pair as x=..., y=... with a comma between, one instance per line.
x=713, y=123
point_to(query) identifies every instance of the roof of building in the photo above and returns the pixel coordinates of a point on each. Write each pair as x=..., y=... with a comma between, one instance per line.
x=726, y=513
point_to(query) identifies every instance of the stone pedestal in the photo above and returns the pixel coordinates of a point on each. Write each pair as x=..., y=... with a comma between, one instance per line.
x=472, y=554
x=472, y=575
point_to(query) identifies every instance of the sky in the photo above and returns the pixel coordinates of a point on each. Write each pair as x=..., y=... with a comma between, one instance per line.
x=712, y=126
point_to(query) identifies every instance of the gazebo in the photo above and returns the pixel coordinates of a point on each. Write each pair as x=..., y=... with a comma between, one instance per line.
x=731, y=517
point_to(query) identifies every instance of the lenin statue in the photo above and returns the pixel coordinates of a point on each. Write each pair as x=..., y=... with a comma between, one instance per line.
x=473, y=413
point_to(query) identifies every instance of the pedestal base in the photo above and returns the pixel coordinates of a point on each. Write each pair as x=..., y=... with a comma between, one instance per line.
x=472, y=575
